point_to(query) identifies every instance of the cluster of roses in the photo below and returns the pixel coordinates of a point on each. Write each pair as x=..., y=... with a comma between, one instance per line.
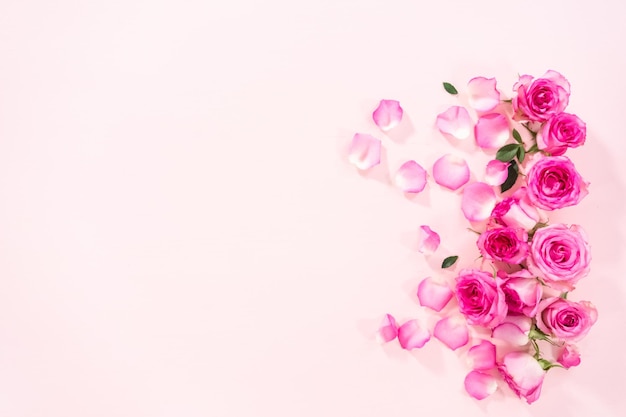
x=517, y=302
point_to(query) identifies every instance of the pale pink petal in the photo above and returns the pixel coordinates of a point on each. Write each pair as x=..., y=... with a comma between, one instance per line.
x=452, y=331
x=364, y=152
x=411, y=335
x=411, y=177
x=451, y=171
x=434, y=295
x=388, y=329
x=483, y=95
x=482, y=357
x=388, y=114
x=478, y=201
x=511, y=334
x=496, y=172
x=455, y=122
x=480, y=385
x=524, y=323
x=492, y=131
x=428, y=240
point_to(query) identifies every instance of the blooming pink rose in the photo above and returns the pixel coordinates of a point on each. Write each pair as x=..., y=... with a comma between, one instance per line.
x=554, y=183
x=539, y=99
x=560, y=132
x=504, y=244
x=523, y=374
x=569, y=356
x=480, y=298
x=560, y=255
x=522, y=292
x=516, y=211
x=564, y=319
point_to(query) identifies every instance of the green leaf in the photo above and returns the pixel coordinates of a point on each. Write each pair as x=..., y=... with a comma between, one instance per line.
x=507, y=152
x=507, y=101
x=449, y=261
x=517, y=137
x=546, y=364
x=533, y=149
x=564, y=295
x=511, y=177
x=521, y=153
x=450, y=88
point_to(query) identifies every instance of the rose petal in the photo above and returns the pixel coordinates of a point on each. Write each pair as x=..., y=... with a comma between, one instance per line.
x=480, y=385
x=511, y=334
x=451, y=171
x=364, y=151
x=496, y=172
x=523, y=373
x=388, y=329
x=452, y=331
x=428, y=240
x=478, y=201
x=433, y=294
x=411, y=177
x=492, y=131
x=483, y=95
x=455, y=122
x=388, y=114
x=482, y=357
x=411, y=335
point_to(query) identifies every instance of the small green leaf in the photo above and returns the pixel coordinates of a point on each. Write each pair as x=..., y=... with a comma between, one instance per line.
x=507, y=101
x=507, y=152
x=449, y=261
x=546, y=364
x=521, y=153
x=511, y=177
x=533, y=149
x=564, y=295
x=517, y=137
x=450, y=88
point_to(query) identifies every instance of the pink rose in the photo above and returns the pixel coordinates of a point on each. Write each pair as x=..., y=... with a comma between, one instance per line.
x=516, y=211
x=560, y=132
x=539, y=99
x=480, y=298
x=564, y=319
x=506, y=244
x=569, y=356
x=522, y=292
x=560, y=255
x=523, y=374
x=554, y=183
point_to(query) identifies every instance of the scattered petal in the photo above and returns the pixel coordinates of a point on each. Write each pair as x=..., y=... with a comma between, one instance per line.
x=411, y=335
x=496, y=172
x=428, y=240
x=478, y=201
x=455, y=122
x=482, y=357
x=451, y=171
x=492, y=131
x=388, y=114
x=411, y=177
x=483, y=95
x=511, y=334
x=365, y=151
x=388, y=329
x=480, y=385
x=452, y=331
x=432, y=294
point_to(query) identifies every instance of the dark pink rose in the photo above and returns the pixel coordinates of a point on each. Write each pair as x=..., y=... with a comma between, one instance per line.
x=554, y=183
x=480, y=298
x=522, y=292
x=538, y=99
x=506, y=244
x=560, y=132
x=516, y=211
x=566, y=320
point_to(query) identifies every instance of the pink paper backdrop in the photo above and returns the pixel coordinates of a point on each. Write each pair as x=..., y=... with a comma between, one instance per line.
x=180, y=232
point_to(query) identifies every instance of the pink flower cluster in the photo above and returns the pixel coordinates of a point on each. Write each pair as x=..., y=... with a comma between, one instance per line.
x=513, y=312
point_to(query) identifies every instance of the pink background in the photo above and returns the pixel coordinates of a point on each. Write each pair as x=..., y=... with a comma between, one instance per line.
x=180, y=232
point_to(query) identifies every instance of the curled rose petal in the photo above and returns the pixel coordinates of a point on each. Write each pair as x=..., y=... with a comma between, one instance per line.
x=511, y=334
x=483, y=95
x=482, y=357
x=480, y=385
x=451, y=171
x=452, y=331
x=496, y=172
x=433, y=294
x=492, y=131
x=364, y=151
x=455, y=122
x=411, y=335
x=478, y=201
x=428, y=240
x=411, y=177
x=388, y=114
x=388, y=329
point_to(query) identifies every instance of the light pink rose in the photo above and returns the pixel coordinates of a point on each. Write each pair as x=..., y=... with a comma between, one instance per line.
x=554, y=183
x=480, y=298
x=566, y=320
x=569, y=356
x=506, y=244
x=523, y=374
x=516, y=211
x=522, y=292
x=560, y=132
x=538, y=99
x=560, y=255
